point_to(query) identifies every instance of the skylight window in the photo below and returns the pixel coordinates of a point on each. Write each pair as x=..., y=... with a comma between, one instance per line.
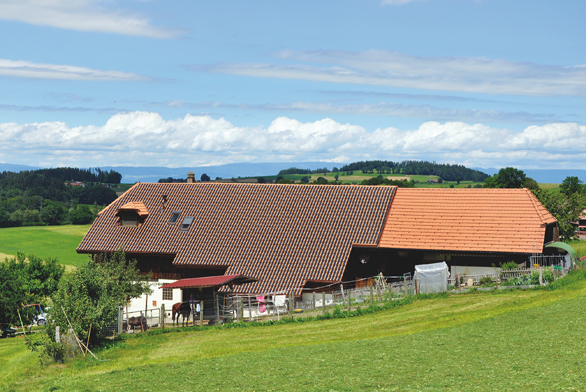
x=175, y=216
x=186, y=222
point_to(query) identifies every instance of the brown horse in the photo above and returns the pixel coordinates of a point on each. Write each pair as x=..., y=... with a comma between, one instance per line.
x=183, y=309
x=138, y=321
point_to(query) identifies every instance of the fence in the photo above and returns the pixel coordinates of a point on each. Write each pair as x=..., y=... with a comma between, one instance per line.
x=558, y=262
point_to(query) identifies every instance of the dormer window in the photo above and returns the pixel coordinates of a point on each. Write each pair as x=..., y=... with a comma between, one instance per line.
x=129, y=218
x=132, y=214
x=186, y=222
x=175, y=216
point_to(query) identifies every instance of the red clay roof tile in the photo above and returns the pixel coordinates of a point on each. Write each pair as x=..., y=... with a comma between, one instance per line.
x=283, y=235
x=487, y=220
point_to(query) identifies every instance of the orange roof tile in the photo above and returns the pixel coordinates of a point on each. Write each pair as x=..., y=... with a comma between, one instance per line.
x=283, y=235
x=483, y=220
x=139, y=207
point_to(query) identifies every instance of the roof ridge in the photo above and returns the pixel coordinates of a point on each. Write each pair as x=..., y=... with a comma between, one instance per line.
x=534, y=201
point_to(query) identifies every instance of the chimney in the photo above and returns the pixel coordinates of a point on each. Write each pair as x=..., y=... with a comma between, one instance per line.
x=190, y=177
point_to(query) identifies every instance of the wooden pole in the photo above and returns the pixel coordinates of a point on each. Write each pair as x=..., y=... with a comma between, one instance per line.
x=323, y=301
x=241, y=310
x=21, y=323
x=88, y=337
x=371, y=297
x=313, y=303
x=342, y=289
x=217, y=307
x=163, y=314
x=249, y=309
x=349, y=298
x=405, y=282
x=201, y=313
x=73, y=330
x=390, y=292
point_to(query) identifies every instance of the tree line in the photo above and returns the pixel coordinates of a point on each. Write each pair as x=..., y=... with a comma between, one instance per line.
x=46, y=196
x=445, y=171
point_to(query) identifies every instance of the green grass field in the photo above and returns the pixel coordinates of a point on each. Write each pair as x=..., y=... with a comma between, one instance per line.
x=45, y=241
x=515, y=340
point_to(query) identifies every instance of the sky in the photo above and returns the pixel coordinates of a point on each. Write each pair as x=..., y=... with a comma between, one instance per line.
x=483, y=83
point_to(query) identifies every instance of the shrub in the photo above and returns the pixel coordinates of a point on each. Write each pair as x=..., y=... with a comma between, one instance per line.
x=509, y=265
x=485, y=281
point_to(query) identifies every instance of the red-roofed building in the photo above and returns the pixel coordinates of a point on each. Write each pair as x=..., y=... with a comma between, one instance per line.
x=291, y=237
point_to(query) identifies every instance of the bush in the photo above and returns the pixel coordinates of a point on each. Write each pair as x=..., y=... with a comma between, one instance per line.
x=509, y=265
x=486, y=281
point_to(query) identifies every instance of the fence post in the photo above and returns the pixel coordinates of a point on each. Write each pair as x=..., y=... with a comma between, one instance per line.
x=313, y=303
x=390, y=292
x=120, y=318
x=380, y=292
x=343, y=296
x=349, y=298
x=201, y=314
x=241, y=310
x=405, y=282
x=323, y=301
x=163, y=316
x=371, y=297
x=291, y=304
x=249, y=309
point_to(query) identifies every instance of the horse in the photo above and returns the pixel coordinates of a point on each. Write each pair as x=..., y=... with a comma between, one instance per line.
x=183, y=309
x=138, y=321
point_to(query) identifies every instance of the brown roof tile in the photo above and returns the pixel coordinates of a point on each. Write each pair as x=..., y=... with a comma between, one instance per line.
x=486, y=220
x=284, y=235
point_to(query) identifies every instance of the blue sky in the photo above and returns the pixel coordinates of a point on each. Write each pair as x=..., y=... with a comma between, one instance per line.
x=188, y=83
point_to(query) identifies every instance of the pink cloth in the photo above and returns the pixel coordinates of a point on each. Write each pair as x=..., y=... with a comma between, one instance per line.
x=261, y=304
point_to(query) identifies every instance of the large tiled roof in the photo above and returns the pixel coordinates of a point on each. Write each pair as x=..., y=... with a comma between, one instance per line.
x=283, y=235
x=482, y=220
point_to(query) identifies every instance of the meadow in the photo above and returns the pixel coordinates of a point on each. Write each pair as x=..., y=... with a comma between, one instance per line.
x=44, y=241
x=503, y=340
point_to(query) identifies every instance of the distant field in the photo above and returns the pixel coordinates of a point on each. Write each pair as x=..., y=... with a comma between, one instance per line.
x=44, y=241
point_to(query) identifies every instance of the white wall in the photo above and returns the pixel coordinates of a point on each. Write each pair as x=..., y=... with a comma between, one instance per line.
x=138, y=304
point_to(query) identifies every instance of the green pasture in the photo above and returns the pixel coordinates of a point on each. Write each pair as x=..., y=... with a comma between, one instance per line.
x=45, y=241
x=503, y=340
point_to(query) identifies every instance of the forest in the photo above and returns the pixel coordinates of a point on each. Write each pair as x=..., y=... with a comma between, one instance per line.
x=445, y=171
x=46, y=196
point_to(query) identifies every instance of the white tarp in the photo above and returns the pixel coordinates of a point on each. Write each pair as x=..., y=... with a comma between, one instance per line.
x=432, y=278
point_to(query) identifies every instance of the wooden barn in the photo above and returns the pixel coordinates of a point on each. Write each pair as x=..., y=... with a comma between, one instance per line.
x=293, y=237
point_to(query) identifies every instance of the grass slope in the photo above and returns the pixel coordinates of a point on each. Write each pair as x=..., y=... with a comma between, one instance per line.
x=45, y=241
x=515, y=340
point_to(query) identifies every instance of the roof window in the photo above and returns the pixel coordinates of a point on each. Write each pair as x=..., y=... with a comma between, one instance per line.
x=175, y=216
x=186, y=222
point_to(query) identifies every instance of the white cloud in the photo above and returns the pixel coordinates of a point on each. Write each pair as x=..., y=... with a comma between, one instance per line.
x=386, y=68
x=27, y=69
x=81, y=15
x=146, y=139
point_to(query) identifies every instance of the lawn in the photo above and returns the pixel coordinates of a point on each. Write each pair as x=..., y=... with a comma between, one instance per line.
x=45, y=241
x=515, y=340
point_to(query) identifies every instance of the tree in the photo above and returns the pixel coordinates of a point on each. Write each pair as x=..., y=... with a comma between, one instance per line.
x=336, y=177
x=205, y=178
x=305, y=180
x=508, y=177
x=92, y=293
x=26, y=279
x=261, y=180
x=458, y=180
x=81, y=215
x=566, y=209
x=52, y=212
x=571, y=185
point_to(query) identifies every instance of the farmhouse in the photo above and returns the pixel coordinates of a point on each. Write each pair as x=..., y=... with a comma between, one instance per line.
x=290, y=237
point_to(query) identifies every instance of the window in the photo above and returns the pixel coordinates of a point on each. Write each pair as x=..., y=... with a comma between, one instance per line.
x=129, y=219
x=186, y=222
x=175, y=216
x=167, y=294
